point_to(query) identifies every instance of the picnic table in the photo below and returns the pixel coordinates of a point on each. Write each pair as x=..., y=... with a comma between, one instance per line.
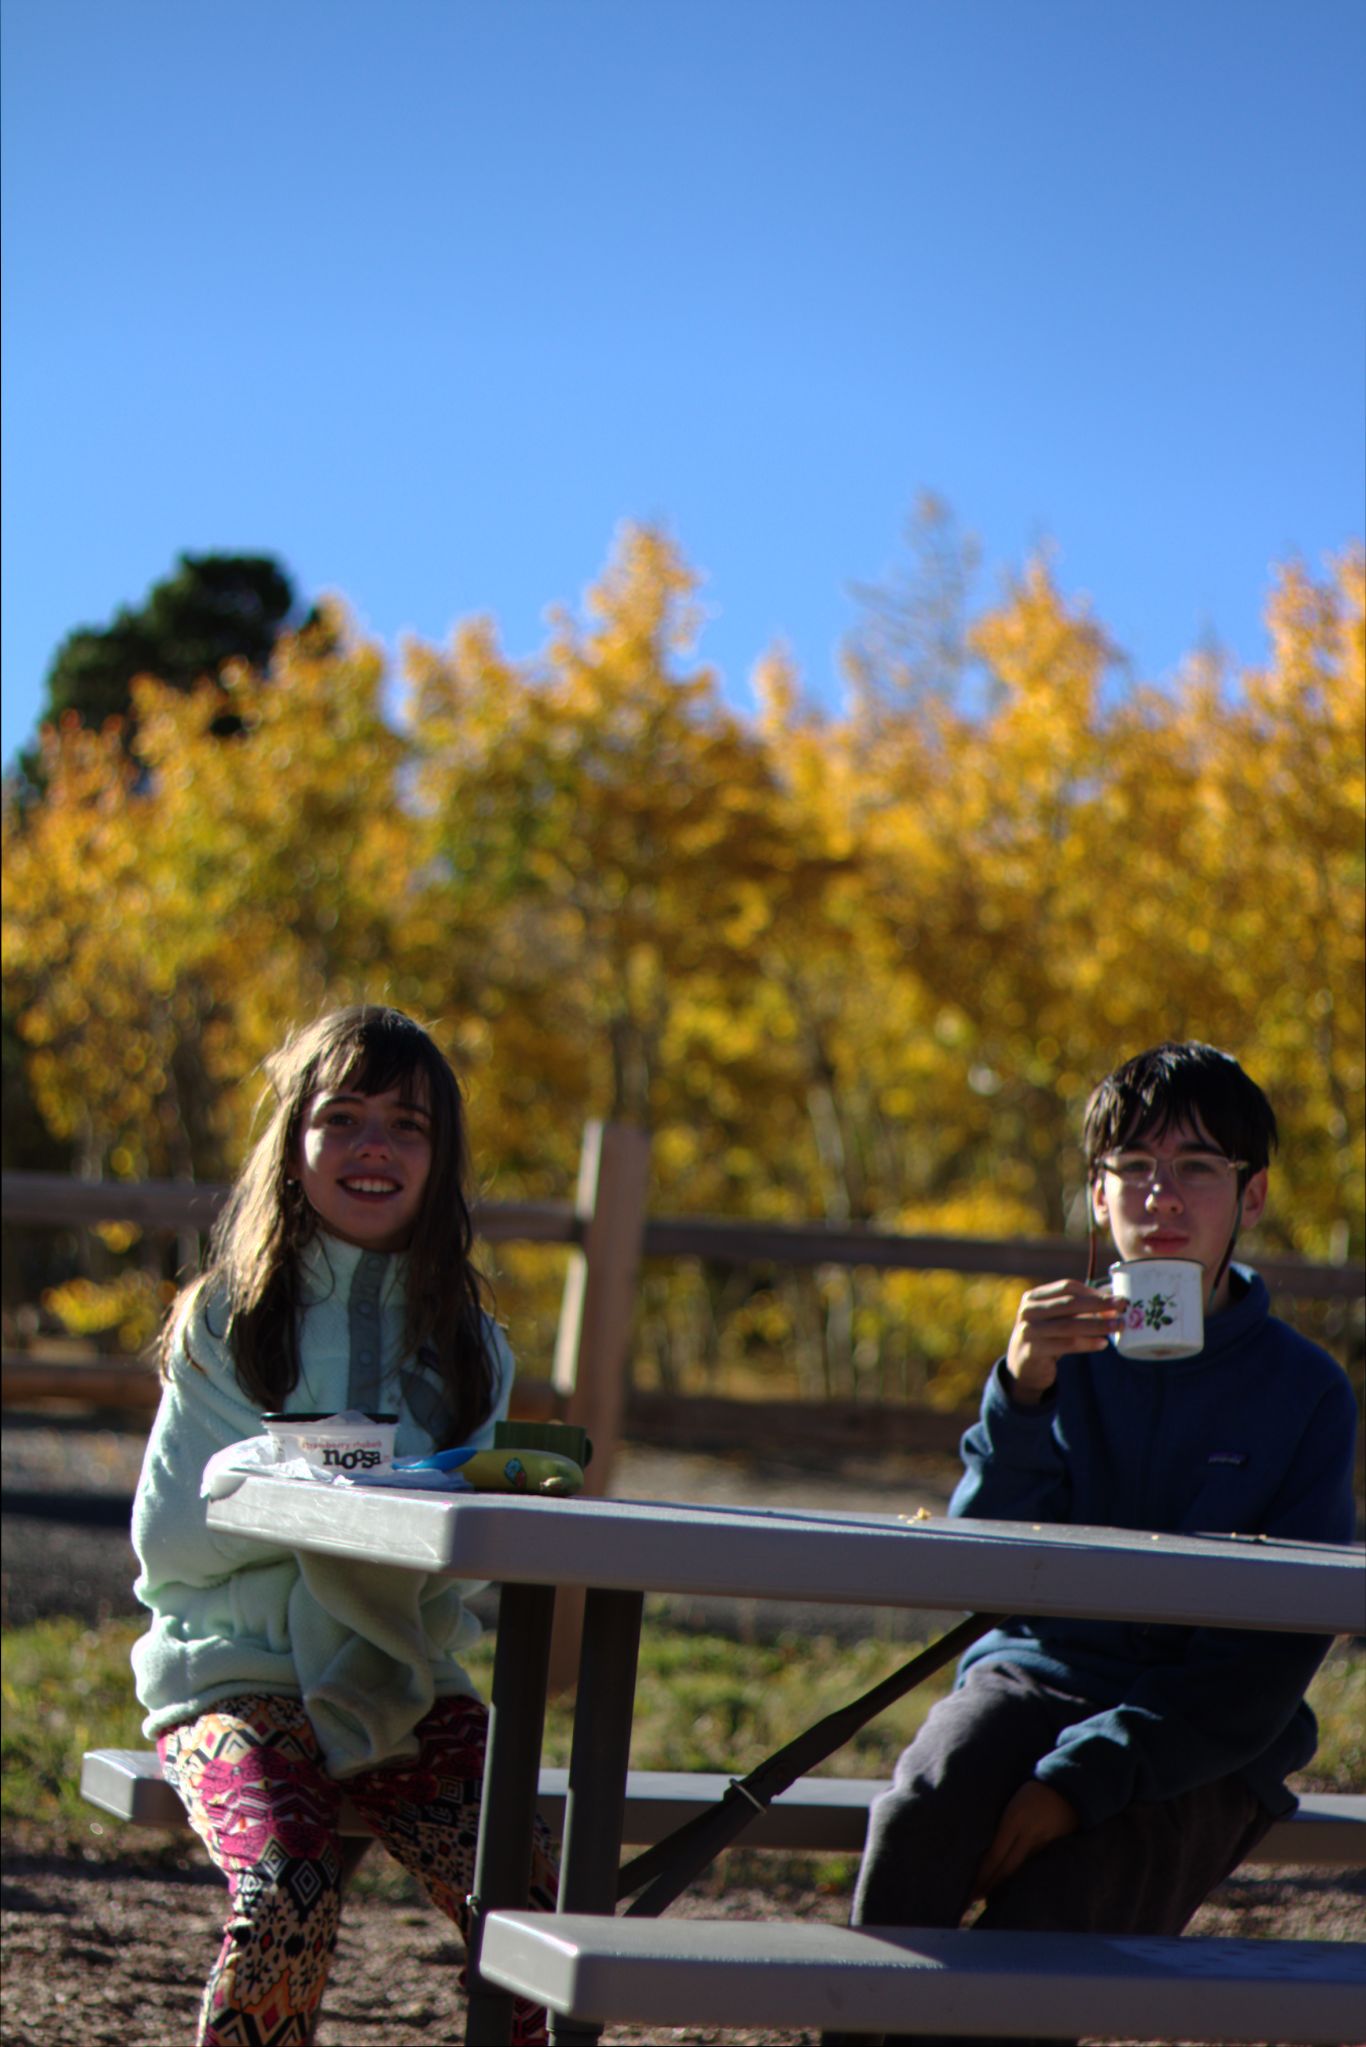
x=618, y=1550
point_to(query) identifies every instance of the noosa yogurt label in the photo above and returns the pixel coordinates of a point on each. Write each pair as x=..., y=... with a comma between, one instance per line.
x=335, y=1442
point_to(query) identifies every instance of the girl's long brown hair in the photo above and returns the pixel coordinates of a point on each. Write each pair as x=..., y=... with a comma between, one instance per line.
x=268, y=1220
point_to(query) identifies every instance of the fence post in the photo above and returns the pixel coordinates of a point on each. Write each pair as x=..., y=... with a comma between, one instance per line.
x=593, y=1342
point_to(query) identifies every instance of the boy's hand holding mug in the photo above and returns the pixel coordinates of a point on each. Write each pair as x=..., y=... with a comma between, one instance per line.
x=1066, y=1315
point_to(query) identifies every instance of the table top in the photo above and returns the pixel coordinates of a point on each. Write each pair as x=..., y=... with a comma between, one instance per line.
x=863, y=1559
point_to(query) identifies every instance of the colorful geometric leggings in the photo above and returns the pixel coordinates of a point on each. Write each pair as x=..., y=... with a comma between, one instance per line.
x=251, y=1776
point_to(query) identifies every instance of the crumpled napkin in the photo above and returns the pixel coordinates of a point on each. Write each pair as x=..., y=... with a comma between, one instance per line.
x=227, y=1468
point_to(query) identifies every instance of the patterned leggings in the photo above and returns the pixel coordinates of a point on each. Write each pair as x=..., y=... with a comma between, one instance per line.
x=251, y=1776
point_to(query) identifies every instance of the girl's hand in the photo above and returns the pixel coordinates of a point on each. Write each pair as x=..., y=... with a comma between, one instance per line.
x=1066, y=1315
x=1035, y=1816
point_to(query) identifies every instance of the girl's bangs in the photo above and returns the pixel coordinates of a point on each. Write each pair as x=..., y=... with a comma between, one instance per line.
x=376, y=1061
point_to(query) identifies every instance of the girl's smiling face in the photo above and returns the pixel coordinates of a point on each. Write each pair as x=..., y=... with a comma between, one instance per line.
x=363, y=1162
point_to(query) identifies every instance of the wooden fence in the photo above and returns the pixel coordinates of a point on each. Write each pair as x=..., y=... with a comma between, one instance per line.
x=608, y=1233
x=602, y=1227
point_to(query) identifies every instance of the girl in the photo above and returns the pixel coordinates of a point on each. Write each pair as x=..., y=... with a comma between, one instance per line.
x=339, y=1276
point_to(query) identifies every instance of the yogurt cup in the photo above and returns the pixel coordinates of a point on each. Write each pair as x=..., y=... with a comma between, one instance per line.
x=350, y=1443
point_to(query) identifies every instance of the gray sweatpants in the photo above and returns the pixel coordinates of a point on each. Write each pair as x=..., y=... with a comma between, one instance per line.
x=1144, y=1871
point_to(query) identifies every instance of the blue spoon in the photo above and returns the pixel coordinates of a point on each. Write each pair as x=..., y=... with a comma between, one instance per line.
x=442, y=1460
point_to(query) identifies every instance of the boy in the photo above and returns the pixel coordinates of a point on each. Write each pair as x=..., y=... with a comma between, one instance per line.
x=1089, y=1776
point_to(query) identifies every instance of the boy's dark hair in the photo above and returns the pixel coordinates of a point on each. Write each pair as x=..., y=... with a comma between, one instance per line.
x=1181, y=1083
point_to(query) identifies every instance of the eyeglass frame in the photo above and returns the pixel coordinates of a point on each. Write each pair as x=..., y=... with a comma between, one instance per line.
x=1172, y=1165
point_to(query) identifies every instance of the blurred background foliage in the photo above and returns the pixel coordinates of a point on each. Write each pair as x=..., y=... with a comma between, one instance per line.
x=861, y=965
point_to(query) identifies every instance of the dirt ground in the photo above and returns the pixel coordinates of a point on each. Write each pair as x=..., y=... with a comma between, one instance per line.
x=113, y=1954
x=101, y=1955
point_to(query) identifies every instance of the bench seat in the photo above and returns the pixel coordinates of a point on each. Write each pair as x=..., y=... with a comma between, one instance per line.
x=710, y=1974
x=821, y=1814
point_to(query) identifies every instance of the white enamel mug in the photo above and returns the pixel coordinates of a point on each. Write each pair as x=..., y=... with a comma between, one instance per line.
x=1164, y=1315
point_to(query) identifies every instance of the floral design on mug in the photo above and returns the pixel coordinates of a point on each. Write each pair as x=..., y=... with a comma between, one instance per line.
x=1153, y=1313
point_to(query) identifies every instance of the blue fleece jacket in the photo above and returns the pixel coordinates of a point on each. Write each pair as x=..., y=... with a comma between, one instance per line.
x=1252, y=1436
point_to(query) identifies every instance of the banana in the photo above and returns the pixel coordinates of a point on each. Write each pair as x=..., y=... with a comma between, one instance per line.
x=522, y=1471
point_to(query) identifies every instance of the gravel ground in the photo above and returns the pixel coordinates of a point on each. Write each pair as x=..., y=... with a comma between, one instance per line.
x=114, y=1954
x=106, y=1956
x=51, y=1561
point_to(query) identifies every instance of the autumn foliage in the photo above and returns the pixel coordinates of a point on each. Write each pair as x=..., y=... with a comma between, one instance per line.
x=860, y=965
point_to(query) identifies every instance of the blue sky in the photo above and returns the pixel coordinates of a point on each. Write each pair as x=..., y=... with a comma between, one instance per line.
x=426, y=298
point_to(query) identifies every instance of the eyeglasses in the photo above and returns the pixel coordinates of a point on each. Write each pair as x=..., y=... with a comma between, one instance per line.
x=1195, y=1172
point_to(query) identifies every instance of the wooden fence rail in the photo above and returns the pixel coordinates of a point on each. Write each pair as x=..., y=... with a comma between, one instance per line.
x=608, y=1232
x=720, y=1240
x=55, y=1201
x=52, y=1199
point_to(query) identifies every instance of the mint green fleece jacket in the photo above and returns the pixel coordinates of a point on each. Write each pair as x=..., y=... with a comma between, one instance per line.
x=367, y=1648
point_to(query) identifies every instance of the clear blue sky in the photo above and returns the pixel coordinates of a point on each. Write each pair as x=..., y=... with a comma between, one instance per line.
x=424, y=298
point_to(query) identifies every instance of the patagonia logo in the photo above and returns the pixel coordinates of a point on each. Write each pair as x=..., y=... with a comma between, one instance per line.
x=1236, y=1457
